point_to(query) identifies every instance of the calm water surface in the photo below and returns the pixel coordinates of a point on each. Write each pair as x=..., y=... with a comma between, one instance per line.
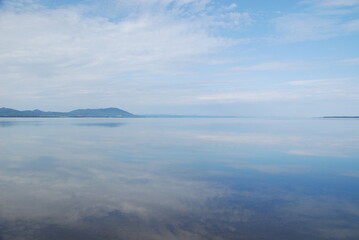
x=179, y=179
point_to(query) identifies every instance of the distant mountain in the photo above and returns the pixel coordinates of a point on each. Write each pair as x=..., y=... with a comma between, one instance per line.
x=102, y=112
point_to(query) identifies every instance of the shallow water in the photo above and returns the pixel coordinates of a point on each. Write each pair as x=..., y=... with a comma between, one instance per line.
x=179, y=179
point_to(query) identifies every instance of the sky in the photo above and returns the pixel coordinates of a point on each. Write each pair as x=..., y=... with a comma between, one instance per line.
x=295, y=58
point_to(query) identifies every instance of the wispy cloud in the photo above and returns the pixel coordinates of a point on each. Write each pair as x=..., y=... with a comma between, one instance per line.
x=320, y=19
x=249, y=96
x=318, y=82
x=351, y=61
x=68, y=40
x=158, y=52
x=87, y=47
x=300, y=90
x=272, y=66
x=332, y=3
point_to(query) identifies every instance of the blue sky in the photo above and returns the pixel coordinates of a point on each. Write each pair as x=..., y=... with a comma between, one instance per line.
x=244, y=57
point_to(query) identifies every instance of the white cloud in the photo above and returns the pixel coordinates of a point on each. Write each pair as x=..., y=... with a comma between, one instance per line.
x=351, y=26
x=250, y=96
x=332, y=3
x=174, y=6
x=302, y=26
x=231, y=6
x=317, y=82
x=67, y=40
x=350, y=61
x=272, y=66
x=299, y=91
x=235, y=19
x=156, y=52
x=49, y=50
x=321, y=19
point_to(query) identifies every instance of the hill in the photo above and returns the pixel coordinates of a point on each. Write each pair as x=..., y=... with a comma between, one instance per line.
x=102, y=112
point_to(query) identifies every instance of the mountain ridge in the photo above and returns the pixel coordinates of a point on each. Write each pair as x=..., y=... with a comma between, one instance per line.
x=99, y=112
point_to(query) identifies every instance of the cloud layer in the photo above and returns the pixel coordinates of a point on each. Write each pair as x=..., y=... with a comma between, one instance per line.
x=163, y=54
x=68, y=46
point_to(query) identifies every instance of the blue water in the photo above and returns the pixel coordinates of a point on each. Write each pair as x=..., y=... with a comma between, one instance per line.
x=179, y=179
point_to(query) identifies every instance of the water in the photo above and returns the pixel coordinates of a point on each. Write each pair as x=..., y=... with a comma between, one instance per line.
x=179, y=179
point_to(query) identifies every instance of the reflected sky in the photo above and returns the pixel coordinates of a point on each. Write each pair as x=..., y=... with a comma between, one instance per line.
x=179, y=179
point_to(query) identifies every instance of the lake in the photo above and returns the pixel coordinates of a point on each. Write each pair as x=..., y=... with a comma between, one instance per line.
x=234, y=178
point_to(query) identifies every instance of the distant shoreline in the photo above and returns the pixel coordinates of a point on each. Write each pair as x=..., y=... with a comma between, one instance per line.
x=65, y=117
x=92, y=113
x=136, y=116
x=340, y=117
x=78, y=113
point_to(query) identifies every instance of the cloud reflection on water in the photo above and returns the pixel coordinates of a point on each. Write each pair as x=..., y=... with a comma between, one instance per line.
x=297, y=145
x=156, y=179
